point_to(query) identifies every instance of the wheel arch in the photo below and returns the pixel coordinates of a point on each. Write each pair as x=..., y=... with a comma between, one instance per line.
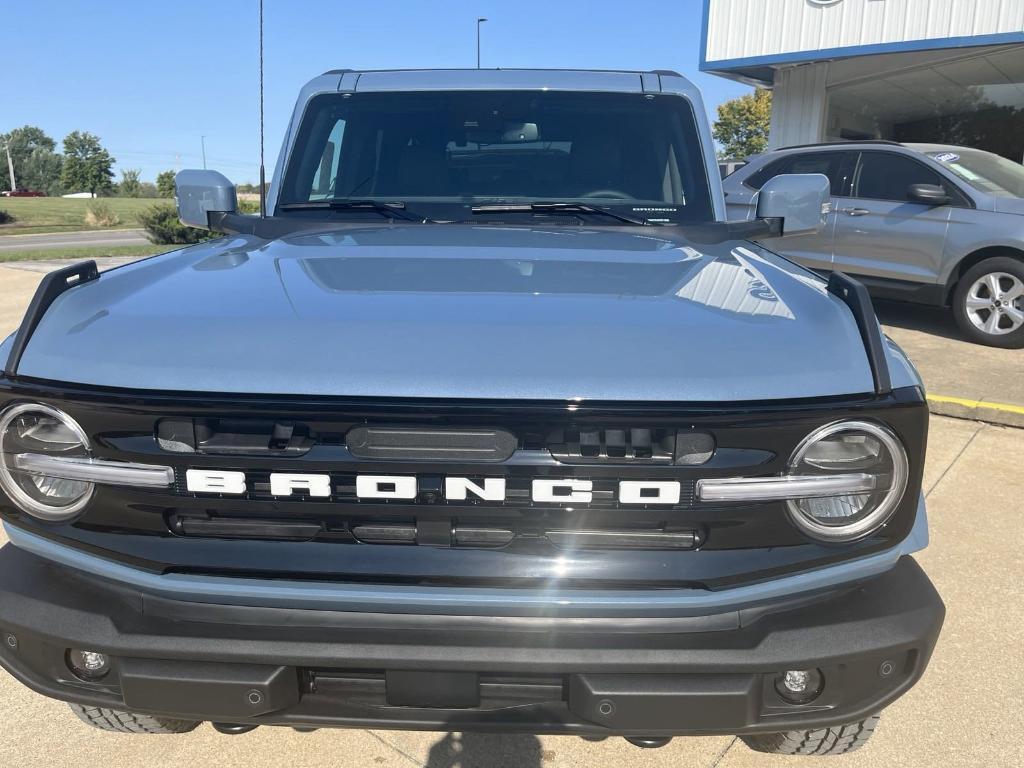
x=976, y=257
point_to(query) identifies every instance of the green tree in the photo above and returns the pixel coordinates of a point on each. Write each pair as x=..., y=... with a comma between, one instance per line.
x=162, y=225
x=165, y=184
x=130, y=185
x=743, y=123
x=88, y=167
x=41, y=172
x=22, y=142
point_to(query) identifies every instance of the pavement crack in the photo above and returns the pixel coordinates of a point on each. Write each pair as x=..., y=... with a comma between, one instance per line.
x=412, y=759
x=956, y=460
x=721, y=755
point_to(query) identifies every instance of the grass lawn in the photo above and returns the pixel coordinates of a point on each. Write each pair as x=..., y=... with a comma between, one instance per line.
x=37, y=215
x=86, y=252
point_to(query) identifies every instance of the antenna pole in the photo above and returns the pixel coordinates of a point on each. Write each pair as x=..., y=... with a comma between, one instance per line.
x=263, y=173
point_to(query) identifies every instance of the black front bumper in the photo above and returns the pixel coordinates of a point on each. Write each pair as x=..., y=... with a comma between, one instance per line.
x=637, y=677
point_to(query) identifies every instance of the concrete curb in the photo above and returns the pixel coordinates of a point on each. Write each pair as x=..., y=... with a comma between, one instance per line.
x=1004, y=414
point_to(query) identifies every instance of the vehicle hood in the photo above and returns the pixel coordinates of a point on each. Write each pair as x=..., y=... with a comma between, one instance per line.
x=1009, y=205
x=459, y=311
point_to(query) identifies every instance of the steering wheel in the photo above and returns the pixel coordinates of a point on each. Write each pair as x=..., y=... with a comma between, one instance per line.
x=610, y=193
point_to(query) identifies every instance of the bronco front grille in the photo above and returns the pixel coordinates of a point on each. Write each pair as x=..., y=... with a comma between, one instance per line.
x=429, y=538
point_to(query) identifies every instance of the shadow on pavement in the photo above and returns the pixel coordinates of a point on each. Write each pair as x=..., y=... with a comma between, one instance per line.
x=937, y=321
x=485, y=750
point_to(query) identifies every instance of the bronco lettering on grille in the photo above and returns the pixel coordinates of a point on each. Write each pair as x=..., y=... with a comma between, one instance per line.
x=550, y=490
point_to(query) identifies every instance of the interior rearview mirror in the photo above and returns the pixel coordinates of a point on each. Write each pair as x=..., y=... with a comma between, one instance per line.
x=199, y=193
x=516, y=133
x=800, y=200
x=927, y=194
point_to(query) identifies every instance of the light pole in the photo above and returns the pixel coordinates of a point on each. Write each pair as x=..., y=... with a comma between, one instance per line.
x=202, y=140
x=478, y=23
x=10, y=166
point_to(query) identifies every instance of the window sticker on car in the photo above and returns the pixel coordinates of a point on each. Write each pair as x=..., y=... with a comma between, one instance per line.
x=947, y=157
x=965, y=173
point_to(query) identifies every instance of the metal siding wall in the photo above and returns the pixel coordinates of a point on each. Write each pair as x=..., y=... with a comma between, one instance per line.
x=743, y=28
x=798, y=105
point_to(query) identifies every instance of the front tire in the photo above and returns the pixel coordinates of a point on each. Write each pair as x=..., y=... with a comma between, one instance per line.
x=822, y=741
x=128, y=722
x=988, y=303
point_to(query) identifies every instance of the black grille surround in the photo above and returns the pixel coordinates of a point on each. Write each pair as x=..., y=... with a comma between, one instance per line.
x=735, y=543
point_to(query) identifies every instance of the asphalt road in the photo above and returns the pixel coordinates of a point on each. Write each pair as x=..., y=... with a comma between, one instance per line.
x=104, y=237
x=968, y=711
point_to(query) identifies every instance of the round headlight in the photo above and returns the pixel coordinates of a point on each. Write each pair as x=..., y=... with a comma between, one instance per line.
x=33, y=429
x=850, y=448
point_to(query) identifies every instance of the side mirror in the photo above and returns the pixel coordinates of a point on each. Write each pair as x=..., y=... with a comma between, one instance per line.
x=800, y=200
x=200, y=193
x=927, y=194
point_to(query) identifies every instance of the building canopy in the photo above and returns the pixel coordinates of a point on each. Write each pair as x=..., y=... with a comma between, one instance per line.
x=907, y=70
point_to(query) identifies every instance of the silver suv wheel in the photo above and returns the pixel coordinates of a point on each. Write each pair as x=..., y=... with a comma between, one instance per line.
x=995, y=303
x=988, y=302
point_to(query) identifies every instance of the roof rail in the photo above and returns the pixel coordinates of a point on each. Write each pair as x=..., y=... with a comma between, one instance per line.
x=845, y=142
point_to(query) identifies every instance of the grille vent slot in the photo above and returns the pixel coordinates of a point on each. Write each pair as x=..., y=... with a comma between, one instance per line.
x=235, y=437
x=592, y=445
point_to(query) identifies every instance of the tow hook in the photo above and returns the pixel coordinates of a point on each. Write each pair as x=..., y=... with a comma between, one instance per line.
x=648, y=742
x=233, y=729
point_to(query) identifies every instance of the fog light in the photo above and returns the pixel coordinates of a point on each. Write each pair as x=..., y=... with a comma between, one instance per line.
x=799, y=686
x=89, y=665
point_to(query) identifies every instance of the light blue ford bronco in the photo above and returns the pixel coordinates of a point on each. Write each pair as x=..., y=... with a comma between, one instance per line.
x=492, y=422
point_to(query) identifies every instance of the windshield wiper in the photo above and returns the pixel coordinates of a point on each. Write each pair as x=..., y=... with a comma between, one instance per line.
x=394, y=210
x=581, y=208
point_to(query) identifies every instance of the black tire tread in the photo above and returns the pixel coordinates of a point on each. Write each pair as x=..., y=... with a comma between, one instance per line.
x=129, y=722
x=821, y=741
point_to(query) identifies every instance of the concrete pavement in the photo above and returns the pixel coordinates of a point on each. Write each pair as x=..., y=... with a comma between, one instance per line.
x=967, y=711
x=963, y=379
x=42, y=266
x=98, y=238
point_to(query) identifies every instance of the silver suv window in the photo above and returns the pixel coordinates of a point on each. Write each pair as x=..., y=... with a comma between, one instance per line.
x=985, y=171
x=888, y=176
x=838, y=166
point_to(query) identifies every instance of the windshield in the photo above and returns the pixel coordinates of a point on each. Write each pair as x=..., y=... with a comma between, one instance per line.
x=984, y=171
x=636, y=154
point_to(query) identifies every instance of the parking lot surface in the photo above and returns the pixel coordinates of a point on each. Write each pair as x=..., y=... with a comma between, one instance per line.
x=967, y=711
x=963, y=379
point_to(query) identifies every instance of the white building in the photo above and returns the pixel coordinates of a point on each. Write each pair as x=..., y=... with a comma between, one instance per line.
x=947, y=71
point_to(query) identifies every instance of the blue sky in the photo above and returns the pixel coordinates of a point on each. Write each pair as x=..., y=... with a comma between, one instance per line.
x=150, y=78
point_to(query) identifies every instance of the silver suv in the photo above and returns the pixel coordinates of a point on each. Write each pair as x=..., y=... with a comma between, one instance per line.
x=926, y=223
